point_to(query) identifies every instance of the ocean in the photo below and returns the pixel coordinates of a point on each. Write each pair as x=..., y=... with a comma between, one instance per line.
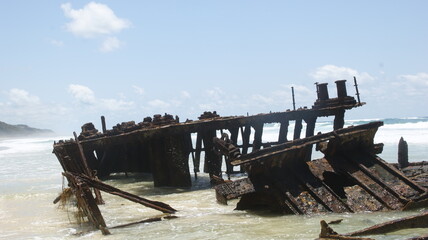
x=30, y=179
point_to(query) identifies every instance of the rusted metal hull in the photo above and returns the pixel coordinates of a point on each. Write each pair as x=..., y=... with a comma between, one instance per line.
x=162, y=145
x=350, y=178
x=281, y=175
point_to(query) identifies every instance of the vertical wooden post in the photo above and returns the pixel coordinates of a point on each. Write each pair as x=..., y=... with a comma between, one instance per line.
x=310, y=126
x=294, y=100
x=145, y=161
x=356, y=89
x=234, y=139
x=94, y=212
x=159, y=162
x=246, y=139
x=177, y=160
x=283, y=131
x=297, y=129
x=403, y=153
x=213, y=162
x=198, y=147
x=103, y=124
x=258, y=133
x=310, y=130
x=339, y=119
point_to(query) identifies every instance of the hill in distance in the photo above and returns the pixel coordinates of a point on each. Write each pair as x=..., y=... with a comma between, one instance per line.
x=21, y=130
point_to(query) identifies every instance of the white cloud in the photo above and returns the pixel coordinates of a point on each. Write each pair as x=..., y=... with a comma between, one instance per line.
x=115, y=105
x=21, y=97
x=281, y=98
x=332, y=72
x=110, y=44
x=138, y=90
x=413, y=85
x=215, y=93
x=299, y=89
x=419, y=79
x=23, y=107
x=185, y=94
x=82, y=94
x=157, y=103
x=302, y=94
x=57, y=43
x=262, y=99
x=93, y=20
x=86, y=96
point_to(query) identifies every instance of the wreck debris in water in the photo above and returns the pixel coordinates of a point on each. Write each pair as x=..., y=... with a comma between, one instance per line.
x=417, y=221
x=350, y=178
x=162, y=145
x=281, y=175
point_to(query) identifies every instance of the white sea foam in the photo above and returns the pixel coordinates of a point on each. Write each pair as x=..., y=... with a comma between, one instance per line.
x=413, y=133
x=23, y=146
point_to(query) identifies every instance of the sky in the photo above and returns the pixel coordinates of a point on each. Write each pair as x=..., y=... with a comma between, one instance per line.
x=63, y=64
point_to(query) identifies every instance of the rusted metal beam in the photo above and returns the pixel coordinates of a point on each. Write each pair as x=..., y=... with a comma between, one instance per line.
x=379, y=181
x=86, y=202
x=88, y=171
x=416, y=221
x=267, y=153
x=149, y=220
x=217, y=123
x=399, y=175
x=165, y=208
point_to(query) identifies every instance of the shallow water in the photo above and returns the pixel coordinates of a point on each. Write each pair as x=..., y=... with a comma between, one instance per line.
x=30, y=179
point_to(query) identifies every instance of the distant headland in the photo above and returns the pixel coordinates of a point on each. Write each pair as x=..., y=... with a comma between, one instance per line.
x=20, y=130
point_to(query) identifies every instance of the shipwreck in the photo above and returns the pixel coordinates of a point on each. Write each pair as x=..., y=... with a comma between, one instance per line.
x=280, y=175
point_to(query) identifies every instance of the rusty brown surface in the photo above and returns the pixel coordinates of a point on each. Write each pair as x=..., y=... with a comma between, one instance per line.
x=142, y=147
x=350, y=178
x=418, y=172
x=81, y=185
x=281, y=175
x=233, y=189
x=416, y=221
